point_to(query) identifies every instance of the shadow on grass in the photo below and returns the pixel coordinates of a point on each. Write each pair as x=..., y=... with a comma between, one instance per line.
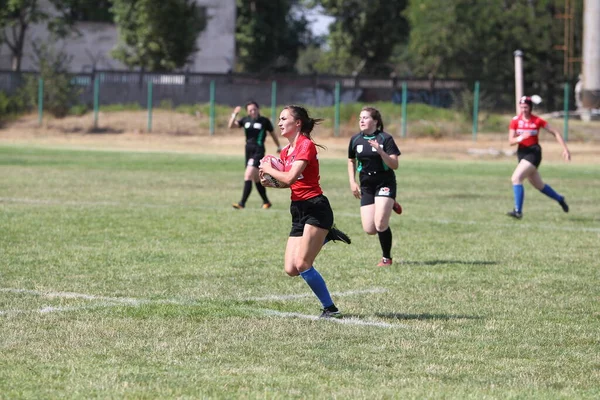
x=104, y=130
x=401, y=316
x=442, y=262
x=584, y=219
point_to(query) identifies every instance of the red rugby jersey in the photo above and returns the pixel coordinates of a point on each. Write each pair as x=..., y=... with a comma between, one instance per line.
x=531, y=126
x=307, y=186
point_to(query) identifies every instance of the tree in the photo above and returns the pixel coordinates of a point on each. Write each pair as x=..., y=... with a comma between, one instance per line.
x=16, y=16
x=60, y=93
x=157, y=35
x=269, y=35
x=475, y=40
x=95, y=11
x=364, y=34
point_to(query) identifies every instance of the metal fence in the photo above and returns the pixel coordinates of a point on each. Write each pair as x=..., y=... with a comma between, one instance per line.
x=124, y=87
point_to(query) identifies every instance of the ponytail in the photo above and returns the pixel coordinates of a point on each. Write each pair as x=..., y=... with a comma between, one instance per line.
x=307, y=123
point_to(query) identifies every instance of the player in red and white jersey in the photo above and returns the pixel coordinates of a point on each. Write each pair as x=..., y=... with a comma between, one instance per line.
x=307, y=186
x=524, y=131
x=312, y=216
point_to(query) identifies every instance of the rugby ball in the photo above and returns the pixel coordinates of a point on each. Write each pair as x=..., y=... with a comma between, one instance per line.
x=535, y=99
x=268, y=180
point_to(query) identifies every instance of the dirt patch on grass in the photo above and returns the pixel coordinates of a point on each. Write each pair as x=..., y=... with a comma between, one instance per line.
x=186, y=133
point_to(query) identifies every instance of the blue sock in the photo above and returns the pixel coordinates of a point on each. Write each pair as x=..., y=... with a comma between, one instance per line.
x=318, y=286
x=519, y=193
x=548, y=191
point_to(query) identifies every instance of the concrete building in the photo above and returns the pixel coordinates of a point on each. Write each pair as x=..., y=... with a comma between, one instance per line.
x=91, y=49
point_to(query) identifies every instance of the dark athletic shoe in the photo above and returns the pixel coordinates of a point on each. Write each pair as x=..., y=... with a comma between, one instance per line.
x=335, y=234
x=564, y=205
x=330, y=314
x=515, y=214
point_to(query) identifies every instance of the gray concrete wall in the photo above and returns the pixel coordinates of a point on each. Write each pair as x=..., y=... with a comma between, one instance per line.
x=92, y=48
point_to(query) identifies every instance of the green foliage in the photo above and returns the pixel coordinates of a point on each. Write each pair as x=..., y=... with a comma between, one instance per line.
x=18, y=15
x=269, y=36
x=10, y=106
x=166, y=104
x=464, y=102
x=60, y=94
x=157, y=35
x=488, y=121
x=78, y=110
x=121, y=107
x=363, y=35
x=308, y=60
x=476, y=41
x=95, y=11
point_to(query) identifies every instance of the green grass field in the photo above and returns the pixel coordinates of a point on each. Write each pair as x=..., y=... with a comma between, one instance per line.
x=129, y=275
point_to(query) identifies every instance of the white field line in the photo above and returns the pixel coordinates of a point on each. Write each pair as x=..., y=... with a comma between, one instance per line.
x=136, y=302
x=70, y=295
x=48, y=309
x=301, y=296
x=120, y=301
x=116, y=300
x=521, y=225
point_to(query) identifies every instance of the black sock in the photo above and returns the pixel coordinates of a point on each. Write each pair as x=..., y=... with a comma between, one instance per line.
x=385, y=239
x=246, y=192
x=262, y=191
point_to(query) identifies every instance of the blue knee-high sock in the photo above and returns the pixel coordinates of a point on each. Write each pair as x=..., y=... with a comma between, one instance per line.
x=548, y=191
x=519, y=193
x=318, y=286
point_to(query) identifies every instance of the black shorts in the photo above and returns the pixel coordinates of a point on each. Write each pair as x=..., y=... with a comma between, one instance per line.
x=533, y=154
x=316, y=211
x=254, y=154
x=381, y=184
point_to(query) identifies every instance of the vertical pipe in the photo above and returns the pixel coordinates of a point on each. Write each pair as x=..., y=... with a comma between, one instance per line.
x=336, y=128
x=590, y=66
x=518, y=78
x=404, y=101
x=96, y=100
x=475, y=110
x=150, y=105
x=566, y=112
x=40, y=100
x=273, y=102
x=212, y=108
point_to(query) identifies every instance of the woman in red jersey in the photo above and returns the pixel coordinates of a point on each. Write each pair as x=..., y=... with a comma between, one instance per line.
x=312, y=216
x=524, y=131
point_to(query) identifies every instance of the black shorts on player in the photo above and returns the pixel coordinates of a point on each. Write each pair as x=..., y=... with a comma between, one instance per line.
x=254, y=154
x=315, y=211
x=377, y=184
x=533, y=154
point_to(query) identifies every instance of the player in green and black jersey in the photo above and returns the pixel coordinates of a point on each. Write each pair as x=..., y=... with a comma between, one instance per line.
x=374, y=154
x=256, y=128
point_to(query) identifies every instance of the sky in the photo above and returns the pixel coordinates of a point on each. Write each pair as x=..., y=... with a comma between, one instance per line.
x=319, y=21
